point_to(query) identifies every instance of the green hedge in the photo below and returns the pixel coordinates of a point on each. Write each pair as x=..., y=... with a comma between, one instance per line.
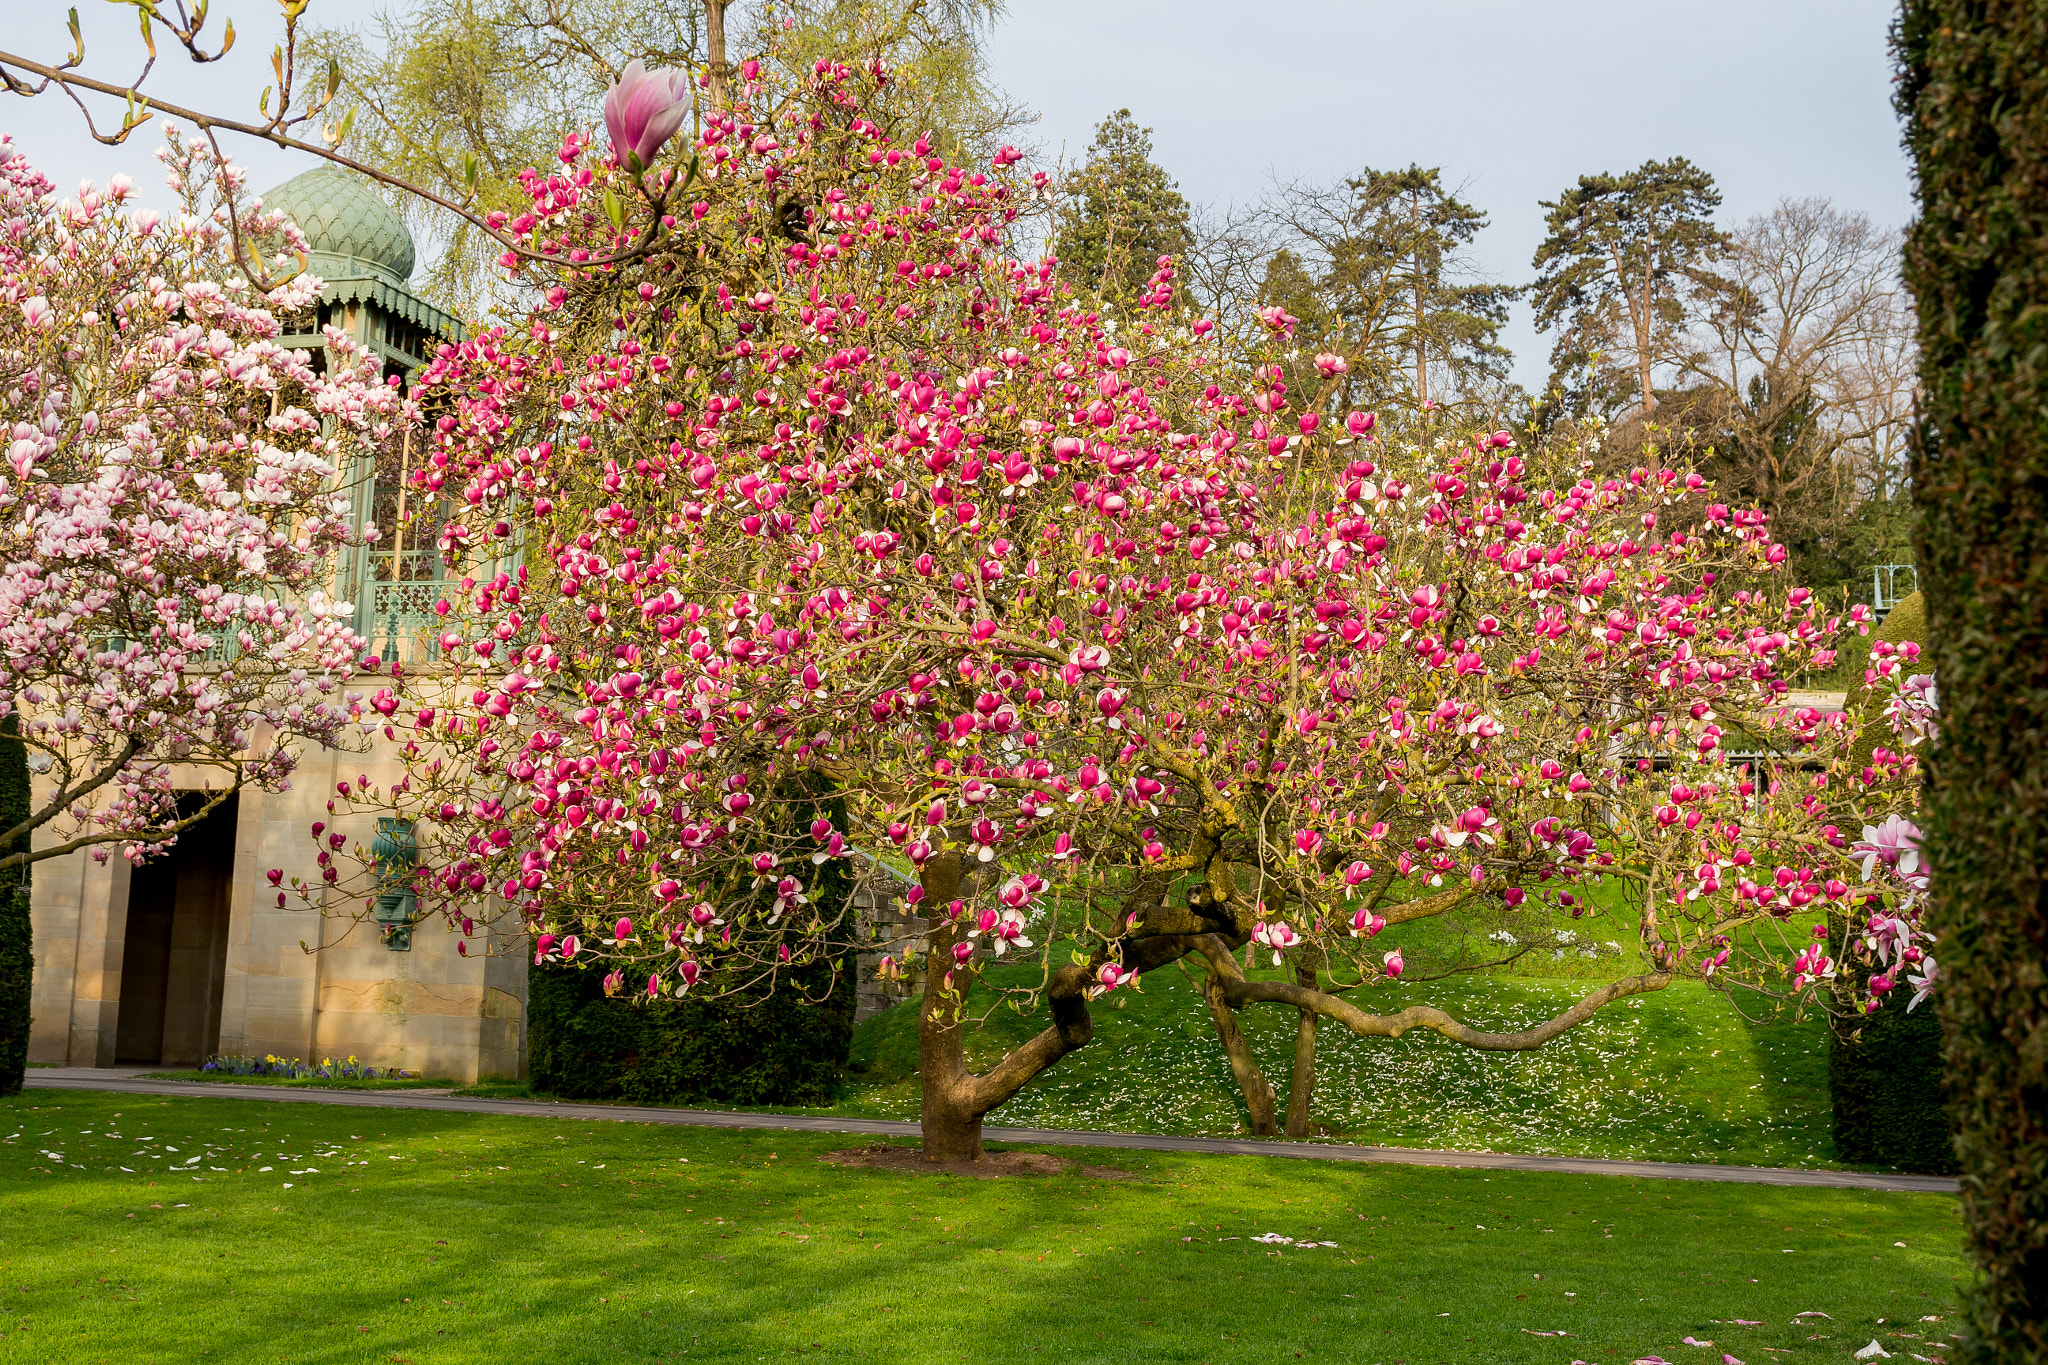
x=1885, y=1084
x=785, y=1045
x=754, y=1048
x=17, y=973
x=17, y=949
x=1973, y=90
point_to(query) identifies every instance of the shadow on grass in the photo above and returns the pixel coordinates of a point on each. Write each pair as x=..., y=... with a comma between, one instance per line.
x=1676, y=1076
x=492, y=1239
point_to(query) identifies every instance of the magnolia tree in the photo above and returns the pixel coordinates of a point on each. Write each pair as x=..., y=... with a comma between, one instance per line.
x=171, y=505
x=799, y=521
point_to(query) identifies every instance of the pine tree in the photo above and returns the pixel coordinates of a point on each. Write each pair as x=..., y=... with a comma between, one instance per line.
x=1419, y=228
x=1122, y=212
x=1623, y=253
x=1374, y=269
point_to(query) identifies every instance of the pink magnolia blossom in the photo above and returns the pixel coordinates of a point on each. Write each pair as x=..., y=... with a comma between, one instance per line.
x=1896, y=844
x=1278, y=935
x=645, y=108
x=1160, y=615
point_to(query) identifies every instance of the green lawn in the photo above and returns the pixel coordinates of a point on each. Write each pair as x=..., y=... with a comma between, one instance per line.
x=435, y=1239
x=1677, y=1076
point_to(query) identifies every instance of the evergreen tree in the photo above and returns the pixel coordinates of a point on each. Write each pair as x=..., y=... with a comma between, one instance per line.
x=1374, y=269
x=1121, y=213
x=1974, y=96
x=1623, y=252
x=1408, y=219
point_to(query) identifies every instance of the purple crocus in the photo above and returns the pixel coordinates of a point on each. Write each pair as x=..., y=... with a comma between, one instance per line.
x=644, y=110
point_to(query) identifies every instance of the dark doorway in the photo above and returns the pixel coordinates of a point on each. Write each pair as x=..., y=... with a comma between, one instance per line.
x=174, y=956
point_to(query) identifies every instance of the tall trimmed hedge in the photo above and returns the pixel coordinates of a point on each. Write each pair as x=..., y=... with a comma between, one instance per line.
x=1885, y=1080
x=1973, y=91
x=17, y=948
x=1885, y=1086
x=758, y=1048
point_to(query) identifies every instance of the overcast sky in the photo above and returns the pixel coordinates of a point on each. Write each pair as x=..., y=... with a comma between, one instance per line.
x=1513, y=99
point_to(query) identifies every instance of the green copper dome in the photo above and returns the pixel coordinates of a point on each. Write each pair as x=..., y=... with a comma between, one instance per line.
x=350, y=229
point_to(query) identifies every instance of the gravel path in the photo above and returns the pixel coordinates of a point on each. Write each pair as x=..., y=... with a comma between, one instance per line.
x=129, y=1082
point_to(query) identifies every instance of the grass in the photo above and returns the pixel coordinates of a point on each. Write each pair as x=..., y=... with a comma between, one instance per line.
x=1677, y=1076
x=426, y=1238
x=304, y=1082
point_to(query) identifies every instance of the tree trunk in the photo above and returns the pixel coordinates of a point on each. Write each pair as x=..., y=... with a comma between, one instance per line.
x=1421, y=353
x=954, y=1098
x=951, y=1121
x=1244, y=1068
x=714, y=44
x=950, y=1133
x=1646, y=337
x=950, y=1118
x=1302, y=1088
x=1973, y=91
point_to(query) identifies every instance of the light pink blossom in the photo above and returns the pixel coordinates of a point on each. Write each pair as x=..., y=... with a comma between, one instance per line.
x=644, y=109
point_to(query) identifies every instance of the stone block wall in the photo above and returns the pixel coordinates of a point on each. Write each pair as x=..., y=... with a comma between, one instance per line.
x=886, y=928
x=297, y=982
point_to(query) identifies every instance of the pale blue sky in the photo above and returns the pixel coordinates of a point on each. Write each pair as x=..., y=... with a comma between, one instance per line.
x=1513, y=100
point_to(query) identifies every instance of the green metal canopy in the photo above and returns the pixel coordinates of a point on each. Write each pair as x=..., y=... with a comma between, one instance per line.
x=360, y=247
x=350, y=228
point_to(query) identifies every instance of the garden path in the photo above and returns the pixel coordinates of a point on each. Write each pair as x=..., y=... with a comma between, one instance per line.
x=129, y=1082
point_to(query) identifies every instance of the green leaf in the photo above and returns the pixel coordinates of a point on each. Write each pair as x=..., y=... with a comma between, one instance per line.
x=614, y=209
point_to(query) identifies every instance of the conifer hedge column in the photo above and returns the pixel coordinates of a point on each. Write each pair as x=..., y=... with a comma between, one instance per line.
x=17, y=951
x=1974, y=96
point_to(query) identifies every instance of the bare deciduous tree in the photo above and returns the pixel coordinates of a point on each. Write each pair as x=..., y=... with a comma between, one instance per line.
x=1795, y=384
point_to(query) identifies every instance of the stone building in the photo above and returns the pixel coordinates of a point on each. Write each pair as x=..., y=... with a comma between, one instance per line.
x=189, y=955
x=887, y=928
